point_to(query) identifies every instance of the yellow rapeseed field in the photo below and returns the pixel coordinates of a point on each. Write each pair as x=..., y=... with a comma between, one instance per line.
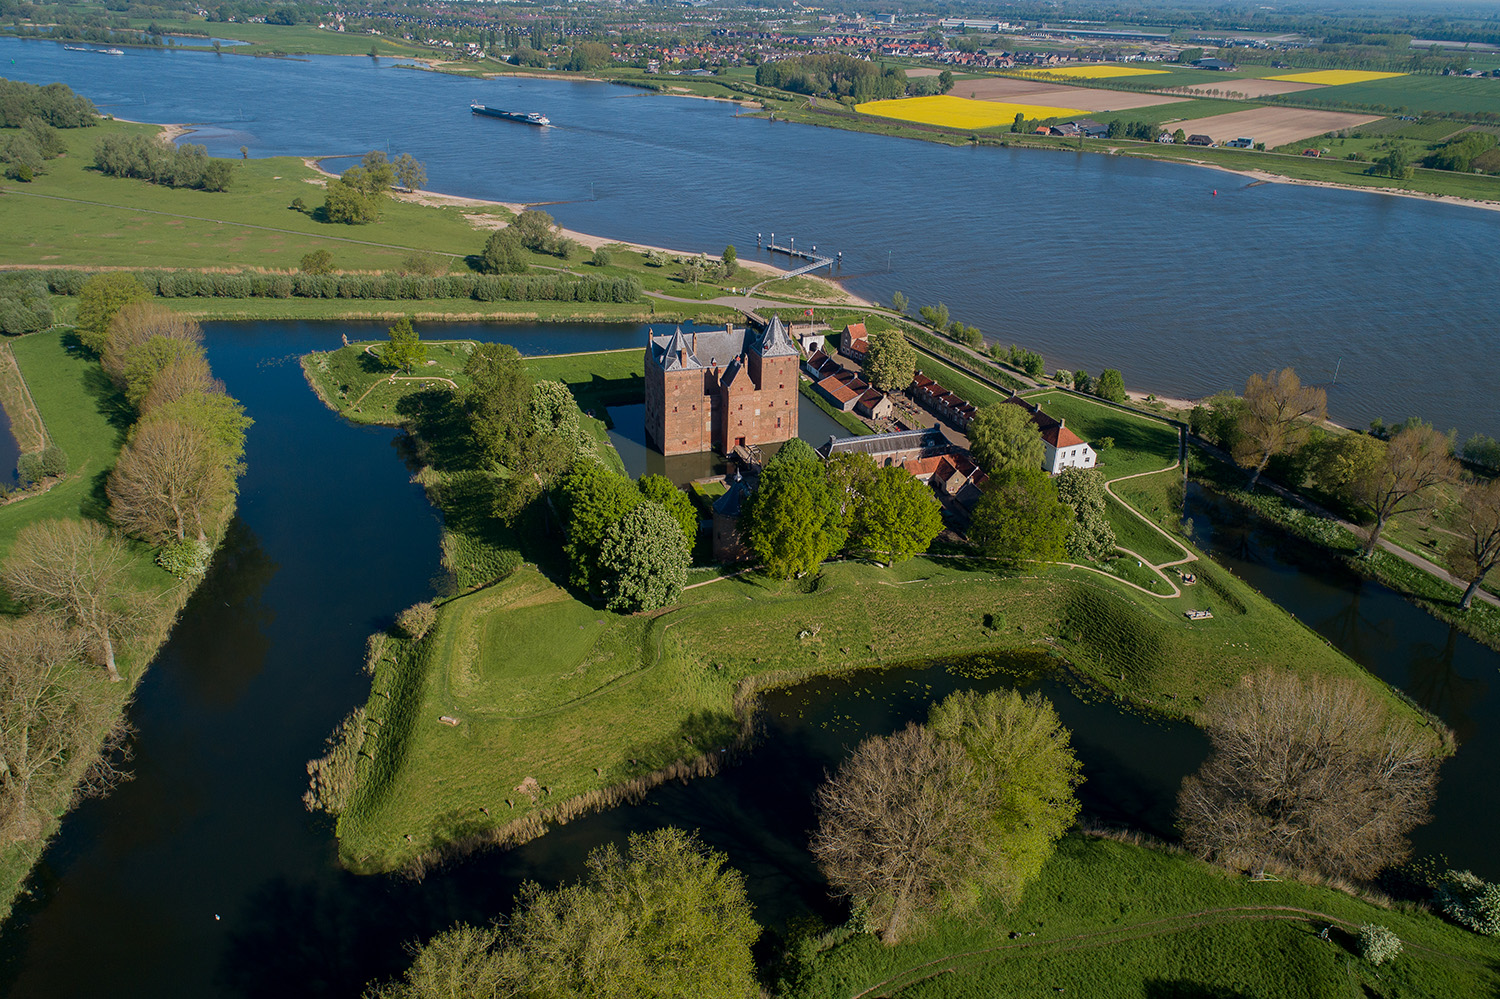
x=960, y=112
x=1091, y=72
x=1334, y=77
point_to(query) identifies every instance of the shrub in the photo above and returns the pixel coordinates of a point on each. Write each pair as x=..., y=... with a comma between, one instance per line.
x=1378, y=944
x=317, y=262
x=416, y=620
x=298, y=205
x=188, y=557
x=54, y=461
x=601, y=258
x=29, y=469
x=1469, y=901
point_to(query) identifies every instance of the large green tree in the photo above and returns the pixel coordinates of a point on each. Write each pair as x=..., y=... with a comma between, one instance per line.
x=643, y=560
x=850, y=476
x=897, y=517
x=591, y=499
x=405, y=350
x=793, y=520
x=1020, y=518
x=660, y=490
x=892, y=362
x=498, y=406
x=1091, y=537
x=99, y=300
x=1002, y=436
x=1416, y=462
x=1110, y=385
x=667, y=918
x=1022, y=782
x=503, y=253
x=346, y=201
x=1279, y=414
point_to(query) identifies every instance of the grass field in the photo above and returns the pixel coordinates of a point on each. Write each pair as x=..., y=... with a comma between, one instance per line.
x=296, y=39
x=1114, y=920
x=1166, y=115
x=600, y=705
x=1335, y=77
x=1414, y=94
x=444, y=309
x=960, y=112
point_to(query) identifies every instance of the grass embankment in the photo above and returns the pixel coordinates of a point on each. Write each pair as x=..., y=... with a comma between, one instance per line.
x=353, y=382
x=626, y=697
x=285, y=39
x=1117, y=920
x=87, y=418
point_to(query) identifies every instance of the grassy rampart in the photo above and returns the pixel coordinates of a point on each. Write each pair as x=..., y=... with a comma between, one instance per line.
x=1112, y=918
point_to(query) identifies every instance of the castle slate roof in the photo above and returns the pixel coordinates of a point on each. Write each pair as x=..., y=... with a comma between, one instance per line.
x=679, y=351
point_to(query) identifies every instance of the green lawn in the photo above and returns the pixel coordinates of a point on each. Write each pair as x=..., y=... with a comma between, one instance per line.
x=591, y=707
x=1412, y=94
x=298, y=39
x=1119, y=921
x=957, y=381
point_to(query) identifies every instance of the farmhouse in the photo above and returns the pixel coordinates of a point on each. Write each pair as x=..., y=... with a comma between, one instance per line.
x=1214, y=64
x=1243, y=142
x=1199, y=140
x=1061, y=447
x=855, y=343
x=717, y=389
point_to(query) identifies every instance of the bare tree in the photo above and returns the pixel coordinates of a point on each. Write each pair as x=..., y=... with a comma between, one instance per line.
x=45, y=717
x=1405, y=480
x=895, y=834
x=1478, y=549
x=1307, y=775
x=74, y=567
x=169, y=478
x=1279, y=413
x=134, y=326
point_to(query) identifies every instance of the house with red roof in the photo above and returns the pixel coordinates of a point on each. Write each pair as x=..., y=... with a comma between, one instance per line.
x=855, y=343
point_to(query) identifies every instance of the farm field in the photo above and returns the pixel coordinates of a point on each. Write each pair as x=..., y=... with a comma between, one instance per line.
x=1185, y=110
x=958, y=112
x=1253, y=87
x=1010, y=90
x=1277, y=126
x=1093, y=72
x=1416, y=94
x=1334, y=77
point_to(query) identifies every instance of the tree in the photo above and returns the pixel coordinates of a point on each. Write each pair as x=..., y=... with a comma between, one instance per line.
x=898, y=302
x=1022, y=782
x=602, y=257
x=1416, y=462
x=1020, y=518
x=219, y=416
x=1339, y=460
x=181, y=377
x=793, y=520
x=317, y=262
x=503, y=254
x=536, y=230
x=694, y=268
x=729, y=261
x=935, y=316
x=1110, y=385
x=498, y=401
x=409, y=172
x=143, y=362
x=76, y=568
x=897, y=516
x=556, y=438
x=1091, y=537
x=1002, y=436
x=1279, y=413
x=133, y=328
x=850, y=475
x=1179, y=137
x=346, y=203
x=643, y=560
x=945, y=81
x=659, y=489
x=405, y=350
x=168, y=481
x=591, y=500
x=1477, y=550
x=1312, y=774
x=1082, y=381
x=50, y=719
x=896, y=834
x=376, y=173
x=892, y=362
x=100, y=298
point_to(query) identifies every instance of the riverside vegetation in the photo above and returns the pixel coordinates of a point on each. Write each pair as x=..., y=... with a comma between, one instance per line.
x=126, y=411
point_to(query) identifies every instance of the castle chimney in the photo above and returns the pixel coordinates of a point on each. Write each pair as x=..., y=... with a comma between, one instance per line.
x=695, y=343
x=1061, y=423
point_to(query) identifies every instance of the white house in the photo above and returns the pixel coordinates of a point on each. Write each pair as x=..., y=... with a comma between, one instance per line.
x=1065, y=449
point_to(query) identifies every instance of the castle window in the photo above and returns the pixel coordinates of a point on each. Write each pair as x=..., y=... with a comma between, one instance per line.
x=674, y=409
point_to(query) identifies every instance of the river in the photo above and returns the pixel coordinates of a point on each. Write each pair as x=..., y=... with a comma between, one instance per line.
x=1185, y=279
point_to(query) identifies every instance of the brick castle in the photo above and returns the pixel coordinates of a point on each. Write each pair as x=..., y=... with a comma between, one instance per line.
x=716, y=389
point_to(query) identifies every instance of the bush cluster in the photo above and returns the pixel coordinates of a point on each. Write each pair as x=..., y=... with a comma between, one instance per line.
x=171, y=166
x=1377, y=944
x=1470, y=901
x=55, y=104
x=483, y=288
x=25, y=304
x=38, y=465
x=188, y=557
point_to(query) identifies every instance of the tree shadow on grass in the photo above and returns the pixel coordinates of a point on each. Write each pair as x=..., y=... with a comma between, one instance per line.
x=700, y=733
x=439, y=429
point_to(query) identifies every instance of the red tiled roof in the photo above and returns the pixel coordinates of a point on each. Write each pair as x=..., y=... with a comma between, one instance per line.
x=871, y=397
x=838, y=389
x=1061, y=436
